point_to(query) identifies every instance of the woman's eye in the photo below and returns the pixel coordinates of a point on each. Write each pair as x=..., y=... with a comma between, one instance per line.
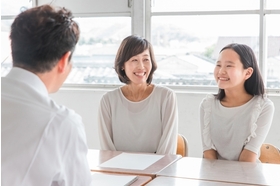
x=218, y=65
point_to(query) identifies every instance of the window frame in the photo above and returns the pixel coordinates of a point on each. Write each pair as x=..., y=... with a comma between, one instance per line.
x=141, y=25
x=262, y=11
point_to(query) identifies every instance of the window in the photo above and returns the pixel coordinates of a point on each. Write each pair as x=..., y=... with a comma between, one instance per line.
x=273, y=51
x=94, y=57
x=14, y=7
x=103, y=26
x=203, y=5
x=6, y=61
x=187, y=36
x=187, y=54
x=273, y=4
x=9, y=9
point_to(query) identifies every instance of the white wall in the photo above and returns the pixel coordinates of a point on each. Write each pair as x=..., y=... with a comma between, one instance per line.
x=86, y=101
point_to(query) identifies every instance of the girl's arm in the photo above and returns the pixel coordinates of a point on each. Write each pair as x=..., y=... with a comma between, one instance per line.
x=210, y=154
x=207, y=145
x=248, y=156
x=263, y=123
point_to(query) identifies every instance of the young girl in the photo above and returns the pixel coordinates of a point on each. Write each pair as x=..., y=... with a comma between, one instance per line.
x=139, y=116
x=235, y=122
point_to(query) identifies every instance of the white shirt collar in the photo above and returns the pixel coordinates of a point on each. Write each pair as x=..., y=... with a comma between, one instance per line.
x=28, y=78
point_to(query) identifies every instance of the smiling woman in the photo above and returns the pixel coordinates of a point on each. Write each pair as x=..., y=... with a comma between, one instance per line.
x=137, y=71
x=137, y=53
x=138, y=68
x=151, y=119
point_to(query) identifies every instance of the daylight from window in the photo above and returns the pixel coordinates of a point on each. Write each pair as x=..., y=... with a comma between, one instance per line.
x=187, y=54
x=186, y=46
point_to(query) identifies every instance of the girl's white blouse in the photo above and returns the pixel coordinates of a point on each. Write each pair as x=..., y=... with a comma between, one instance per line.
x=229, y=130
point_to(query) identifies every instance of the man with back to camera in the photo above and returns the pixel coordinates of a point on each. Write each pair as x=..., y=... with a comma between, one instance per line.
x=43, y=143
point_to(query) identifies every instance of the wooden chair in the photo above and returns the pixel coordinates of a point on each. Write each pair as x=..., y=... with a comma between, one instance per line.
x=182, y=145
x=269, y=154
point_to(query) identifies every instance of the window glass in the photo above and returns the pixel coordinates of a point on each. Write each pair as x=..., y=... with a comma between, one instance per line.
x=94, y=56
x=186, y=47
x=273, y=52
x=203, y=5
x=11, y=8
x=14, y=7
x=6, y=61
x=273, y=4
x=93, y=59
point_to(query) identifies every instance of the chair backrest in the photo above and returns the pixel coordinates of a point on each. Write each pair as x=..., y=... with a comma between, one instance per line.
x=269, y=154
x=182, y=145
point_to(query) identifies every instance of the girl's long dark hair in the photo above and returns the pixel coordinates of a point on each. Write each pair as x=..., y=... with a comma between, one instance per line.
x=253, y=85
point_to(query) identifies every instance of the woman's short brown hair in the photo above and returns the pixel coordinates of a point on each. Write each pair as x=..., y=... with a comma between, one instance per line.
x=132, y=46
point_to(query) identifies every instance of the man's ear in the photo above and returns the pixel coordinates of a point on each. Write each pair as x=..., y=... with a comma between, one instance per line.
x=63, y=62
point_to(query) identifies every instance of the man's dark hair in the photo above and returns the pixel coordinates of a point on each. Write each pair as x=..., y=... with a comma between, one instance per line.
x=40, y=36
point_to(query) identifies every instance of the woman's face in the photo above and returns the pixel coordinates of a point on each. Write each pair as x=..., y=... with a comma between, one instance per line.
x=229, y=71
x=138, y=67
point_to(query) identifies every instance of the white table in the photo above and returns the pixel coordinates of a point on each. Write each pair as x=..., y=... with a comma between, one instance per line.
x=172, y=181
x=224, y=171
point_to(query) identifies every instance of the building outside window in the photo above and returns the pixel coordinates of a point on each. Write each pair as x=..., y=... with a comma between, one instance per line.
x=186, y=35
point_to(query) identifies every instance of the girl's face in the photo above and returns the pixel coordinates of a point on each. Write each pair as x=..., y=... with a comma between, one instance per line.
x=229, y=72
x=138, y=67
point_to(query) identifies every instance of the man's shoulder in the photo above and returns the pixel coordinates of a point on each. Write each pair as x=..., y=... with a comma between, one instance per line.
x=64, y=113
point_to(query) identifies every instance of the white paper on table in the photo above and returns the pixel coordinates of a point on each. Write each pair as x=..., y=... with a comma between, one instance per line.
x=132, y=161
